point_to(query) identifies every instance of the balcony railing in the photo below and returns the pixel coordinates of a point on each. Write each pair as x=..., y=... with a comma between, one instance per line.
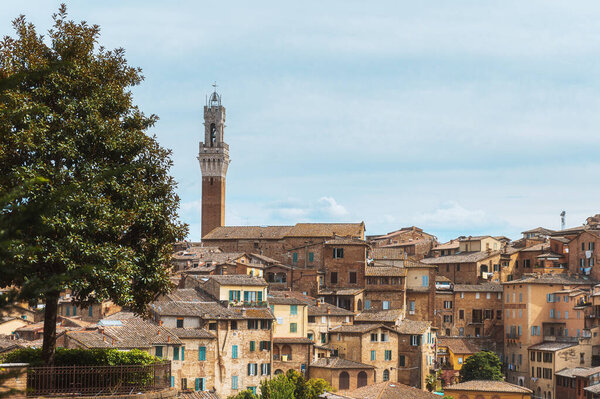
x=79, y=381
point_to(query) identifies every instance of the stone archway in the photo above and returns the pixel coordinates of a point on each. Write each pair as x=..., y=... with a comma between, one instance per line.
x=344, y=381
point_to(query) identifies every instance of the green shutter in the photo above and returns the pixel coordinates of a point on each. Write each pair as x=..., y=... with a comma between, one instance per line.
x=295, y=257
x=182, y=353
x=234, y=352
x=231, y=295
x=293, y=309
x=197, y=384
x=311, y=256
x=259, y=296
x=91, y=311
x=252, y=346
x=246, y=296
x=175, y=353
x=202, y=353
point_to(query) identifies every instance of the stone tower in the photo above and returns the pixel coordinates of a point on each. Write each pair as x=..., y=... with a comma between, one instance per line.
x=214, y=160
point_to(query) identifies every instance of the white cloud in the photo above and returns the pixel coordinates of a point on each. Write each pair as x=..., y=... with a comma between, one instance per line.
x=294, y=210
x=451, y=215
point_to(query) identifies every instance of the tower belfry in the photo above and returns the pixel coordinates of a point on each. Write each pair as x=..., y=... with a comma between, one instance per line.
x=214, y=160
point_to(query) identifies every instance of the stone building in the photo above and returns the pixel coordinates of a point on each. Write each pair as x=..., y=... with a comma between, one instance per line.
x=416, y=352
x=342, y=374
x=531, y=316
x=420, y=291
x=477, y=311
x=468, y=267
x=373, y=344
x=577, y=382
x=385, y=287
x=413, y=241
x=213, y=156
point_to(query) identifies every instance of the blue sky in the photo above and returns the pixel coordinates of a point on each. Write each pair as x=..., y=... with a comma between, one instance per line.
x=462, y=117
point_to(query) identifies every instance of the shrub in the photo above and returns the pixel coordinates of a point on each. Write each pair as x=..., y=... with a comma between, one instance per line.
x=81, y=357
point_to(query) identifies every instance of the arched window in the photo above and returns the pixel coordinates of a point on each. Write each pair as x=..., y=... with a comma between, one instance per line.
x=278, y=371
x=386, y=375
x=362, y=379
x=213, y=134
x=344, y=380
x=359, y=305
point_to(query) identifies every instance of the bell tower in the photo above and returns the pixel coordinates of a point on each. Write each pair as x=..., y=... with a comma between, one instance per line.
x=214, y=160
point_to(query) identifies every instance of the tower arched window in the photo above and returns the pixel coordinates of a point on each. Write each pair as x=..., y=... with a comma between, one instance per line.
x=213, y=134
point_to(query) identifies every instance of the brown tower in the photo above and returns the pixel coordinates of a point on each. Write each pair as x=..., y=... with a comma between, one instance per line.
x=214, y=160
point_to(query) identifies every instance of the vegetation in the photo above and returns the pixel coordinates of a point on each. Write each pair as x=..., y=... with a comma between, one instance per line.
x=431, y=382
x=81, y=357
x=483, y=365
x=291, y=385
x=92, y=206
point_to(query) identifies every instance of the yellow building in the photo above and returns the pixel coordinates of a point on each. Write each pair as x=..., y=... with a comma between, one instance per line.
x=291, y=316
x=236, y=288
x=478, y=389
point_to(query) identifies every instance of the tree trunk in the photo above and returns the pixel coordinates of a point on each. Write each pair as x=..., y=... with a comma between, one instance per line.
x=50, y=312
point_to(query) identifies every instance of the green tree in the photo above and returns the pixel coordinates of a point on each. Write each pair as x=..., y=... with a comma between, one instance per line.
x=291, y=385
x=102, y=217
x=483, y=365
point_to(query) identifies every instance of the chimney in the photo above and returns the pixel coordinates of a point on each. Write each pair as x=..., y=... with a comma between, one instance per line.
x=168, y=338
x=160, y=323
x=318, y=303
x=158, y=332
x=113, y=342
x=328, y=311
x=103, y=337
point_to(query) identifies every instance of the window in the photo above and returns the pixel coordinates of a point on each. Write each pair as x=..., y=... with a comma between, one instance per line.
x=295, y=257
x=460, y=360
x=252, y=389
x=462, y=295
x=447, y=304
x=323, y=338
x=551, y=313
x=311, y=257
x=180, y=322
x=233, y=325
x=265, y=324
x=415, y=340
x=265, y=369
x=74, y=310
x=212, y=326
x=175, y=353
x=386, y=375
x=566, y=314
x=385, y=337
x=373, y=337
x=411, y=307
x=334, y=279
x=401, y=360
x=265, y=345
x=477, y=295
x=386, y=305
x=457, y=267
x=461, y=314
x=388, y=355
x=338, y=253
x=234, y=295
x=447, y=319
x=367, y=304
x=547, y=357
x=582, y=358
x=311, y=319
x=425, y=281
x=91, y=311
x=499, y=314
x=500, y=296
x=234, y=382
x=252, y=368
x=461, y=331
x=158, y=351
x=252, y=346
x=373, y=356
x=352, y=277
x=293, y=327
x=293, y=310
x=184, y=384
x=234, y=351
x=200, y=384
x=202, y=353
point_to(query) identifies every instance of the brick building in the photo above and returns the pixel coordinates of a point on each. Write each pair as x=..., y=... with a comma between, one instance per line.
x=342, y=374
x=468, y=267
x=411, y=240
x=416, y=352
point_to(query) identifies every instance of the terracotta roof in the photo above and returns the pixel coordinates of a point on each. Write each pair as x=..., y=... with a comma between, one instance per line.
x=346, y=241
x=264, y=258
x=357, y=328
x=452, y=244
x=485, y=287
x=413, y=327
x=537, y=247
x=488, y=386
x=380, y=316
x=593, y=389
x=223, y=257
x=564, y=240
x=323, y=309
x=539, y=230
x=465, y=345
x=186, y=295
x=192, y=333
x=552, y=346
x=297, y=340
x=247, y=232
x=407, y=243
x=578, y=372
x=339, y=363
x=125, y=334
x=203, y=310
x=461, y=257
x=401, y=230
x=341, y=291
x=388, y=253
x=355, y=230
x=239, y=279
x=443, y=279
x=548, y=278
x=280, y=298
x=393, y=271
x=390, y=390
x=473, y=238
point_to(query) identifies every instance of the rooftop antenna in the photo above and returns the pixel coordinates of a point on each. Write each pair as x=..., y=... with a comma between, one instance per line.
x=563, y=214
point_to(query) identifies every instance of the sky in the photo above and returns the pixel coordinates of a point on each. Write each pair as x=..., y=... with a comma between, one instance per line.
x=462, y=117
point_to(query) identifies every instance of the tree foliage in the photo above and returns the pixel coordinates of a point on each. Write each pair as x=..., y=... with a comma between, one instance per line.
x=101, y=215
x=483, y=365
x=81, y=357
x=291, y=385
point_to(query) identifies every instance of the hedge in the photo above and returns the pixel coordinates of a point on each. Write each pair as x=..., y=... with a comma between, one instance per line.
x=81, y=357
